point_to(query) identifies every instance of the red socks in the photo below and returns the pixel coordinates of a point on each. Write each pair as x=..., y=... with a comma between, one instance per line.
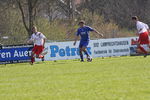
x=32, y=59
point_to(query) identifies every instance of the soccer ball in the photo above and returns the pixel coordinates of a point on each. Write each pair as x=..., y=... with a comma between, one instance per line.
x=89, y=59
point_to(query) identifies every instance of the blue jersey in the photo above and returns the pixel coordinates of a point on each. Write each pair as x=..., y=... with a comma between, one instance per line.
x=84, y=33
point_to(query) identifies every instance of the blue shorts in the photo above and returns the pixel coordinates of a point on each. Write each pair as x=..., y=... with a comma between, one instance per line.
x=83, y=44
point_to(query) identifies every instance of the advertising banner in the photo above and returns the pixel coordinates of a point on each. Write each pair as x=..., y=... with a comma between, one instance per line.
x=15, y=54
x=111, y=47
x=96, y=48
x=63, y=50
x=66, y=50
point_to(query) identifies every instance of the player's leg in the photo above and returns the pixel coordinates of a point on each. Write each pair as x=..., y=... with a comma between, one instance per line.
x=84, y=49
x=143, y=39
x=39, y=51
x=32, y=58
x=80, y=52
x=143, y=51
x=33, y=54
x=85, y=52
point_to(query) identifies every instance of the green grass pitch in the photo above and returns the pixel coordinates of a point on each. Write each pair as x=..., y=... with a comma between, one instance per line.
x=119, y=78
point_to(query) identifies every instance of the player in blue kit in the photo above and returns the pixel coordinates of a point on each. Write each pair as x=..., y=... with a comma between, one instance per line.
x=83, y=31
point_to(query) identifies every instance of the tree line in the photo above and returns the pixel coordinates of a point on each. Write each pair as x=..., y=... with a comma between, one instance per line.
x=120, y=10
x=110, y=16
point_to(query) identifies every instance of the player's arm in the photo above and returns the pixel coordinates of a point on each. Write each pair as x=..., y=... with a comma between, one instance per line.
x=76, y=37
x=100, y=34
x=30, y=40
x=148, y=31
x=139, y=28
x=147, y=27
x=44, y=39
x=138, y=31
x=95, y=31
x=75, y=40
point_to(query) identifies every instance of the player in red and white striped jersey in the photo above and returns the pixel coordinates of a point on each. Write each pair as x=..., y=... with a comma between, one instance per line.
x=38, y=39
x=142, y=32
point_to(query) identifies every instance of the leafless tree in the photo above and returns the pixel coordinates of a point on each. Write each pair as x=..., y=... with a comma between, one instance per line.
x=119, y=10
x=67, y=7
x=28, y=12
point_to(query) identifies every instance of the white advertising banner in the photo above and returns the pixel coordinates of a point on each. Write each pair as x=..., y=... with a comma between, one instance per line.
x=61, y=50
x=111, y=47
x=96, y=48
